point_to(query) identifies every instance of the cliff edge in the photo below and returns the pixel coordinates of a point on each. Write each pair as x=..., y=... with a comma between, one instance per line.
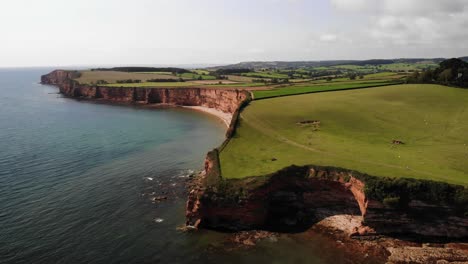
x=224, y=100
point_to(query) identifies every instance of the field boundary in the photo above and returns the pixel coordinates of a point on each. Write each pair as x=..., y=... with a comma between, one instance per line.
x=332, y=90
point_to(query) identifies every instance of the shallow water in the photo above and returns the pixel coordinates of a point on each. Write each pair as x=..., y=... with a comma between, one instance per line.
x=77, y=180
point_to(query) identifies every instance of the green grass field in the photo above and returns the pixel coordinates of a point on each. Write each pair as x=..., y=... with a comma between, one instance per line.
x=201, y=72
x=194, y=76
x=313, y=88
x=408, y=66
x=274, y=75
x=185, y=84
x=384, y=75
x=162, y=73
x=89, y=77
x=150, y=84
x=396, y=67
x=356, y=132
x=353, y=67
x=237, y=78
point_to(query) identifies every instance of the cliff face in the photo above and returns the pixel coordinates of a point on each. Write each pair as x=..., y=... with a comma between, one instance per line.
x=220, y=99
x=59, y=77
x=296, y=198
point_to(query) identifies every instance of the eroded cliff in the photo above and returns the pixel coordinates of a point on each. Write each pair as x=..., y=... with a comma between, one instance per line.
x=296, y=198
x=224, y=100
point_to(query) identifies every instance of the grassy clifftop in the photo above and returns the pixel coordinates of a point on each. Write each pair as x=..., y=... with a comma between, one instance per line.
x=415, y=131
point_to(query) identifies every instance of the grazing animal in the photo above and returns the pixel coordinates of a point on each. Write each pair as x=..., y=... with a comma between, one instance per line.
x=398, y=142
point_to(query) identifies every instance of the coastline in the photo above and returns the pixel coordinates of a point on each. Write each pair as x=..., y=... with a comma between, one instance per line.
x=225, y=117
x=210, y=204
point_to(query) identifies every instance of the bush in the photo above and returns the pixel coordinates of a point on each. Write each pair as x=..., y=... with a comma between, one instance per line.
x=381, y=188
x=129, y=81
x=165, y=80
x=232, y=71
x=461, y=200
x=392, y=202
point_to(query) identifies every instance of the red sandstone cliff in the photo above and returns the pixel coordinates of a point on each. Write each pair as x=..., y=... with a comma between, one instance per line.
x=221, y=99
x=296, y=198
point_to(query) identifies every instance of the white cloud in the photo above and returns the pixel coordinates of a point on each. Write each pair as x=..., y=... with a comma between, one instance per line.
x=403, y=25
x=401, y=7
x=328, y=38
x=354, y=5
x=423, y=7
x=255, y=50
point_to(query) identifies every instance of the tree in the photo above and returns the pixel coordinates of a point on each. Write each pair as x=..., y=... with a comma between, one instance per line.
x=414, y=77
x=352, y=76
x=453, y=64
x=426, y=76
x=445, y=76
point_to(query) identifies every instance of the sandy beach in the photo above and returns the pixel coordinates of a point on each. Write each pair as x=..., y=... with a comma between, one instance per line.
x=226, y=117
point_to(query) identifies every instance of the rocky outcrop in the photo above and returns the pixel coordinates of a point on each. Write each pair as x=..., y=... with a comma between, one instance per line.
x=434, y=221
x=60, y=77
x=289, y=200
x=221, y=99
x=296, y=198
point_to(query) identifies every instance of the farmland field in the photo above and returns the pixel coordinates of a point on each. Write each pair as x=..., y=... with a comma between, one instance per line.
x=201, y=72
x=194, y=76
x=204, y=84
x=151, y=84
x=408, y=66
x=313, y=88
x=265, y=75
x=355, y=130
x=237, y=78
x=88, y=77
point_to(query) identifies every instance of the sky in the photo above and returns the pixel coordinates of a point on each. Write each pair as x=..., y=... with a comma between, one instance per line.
x=172, y=32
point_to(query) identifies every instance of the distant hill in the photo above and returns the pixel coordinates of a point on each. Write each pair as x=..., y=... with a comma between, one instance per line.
x=307, y=64
x=464, y=58
x=418, y=60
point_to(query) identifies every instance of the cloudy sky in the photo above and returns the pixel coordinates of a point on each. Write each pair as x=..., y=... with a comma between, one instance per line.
x=118, y=32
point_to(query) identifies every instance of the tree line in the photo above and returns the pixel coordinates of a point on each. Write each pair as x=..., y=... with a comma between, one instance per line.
x=453, y=72
x=231, y=71
x=166, y=80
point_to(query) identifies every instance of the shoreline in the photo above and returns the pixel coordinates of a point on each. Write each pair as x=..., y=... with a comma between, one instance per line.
x=225, y=117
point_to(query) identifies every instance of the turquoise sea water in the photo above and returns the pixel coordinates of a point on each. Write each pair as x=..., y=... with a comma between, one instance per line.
x=77, y=180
